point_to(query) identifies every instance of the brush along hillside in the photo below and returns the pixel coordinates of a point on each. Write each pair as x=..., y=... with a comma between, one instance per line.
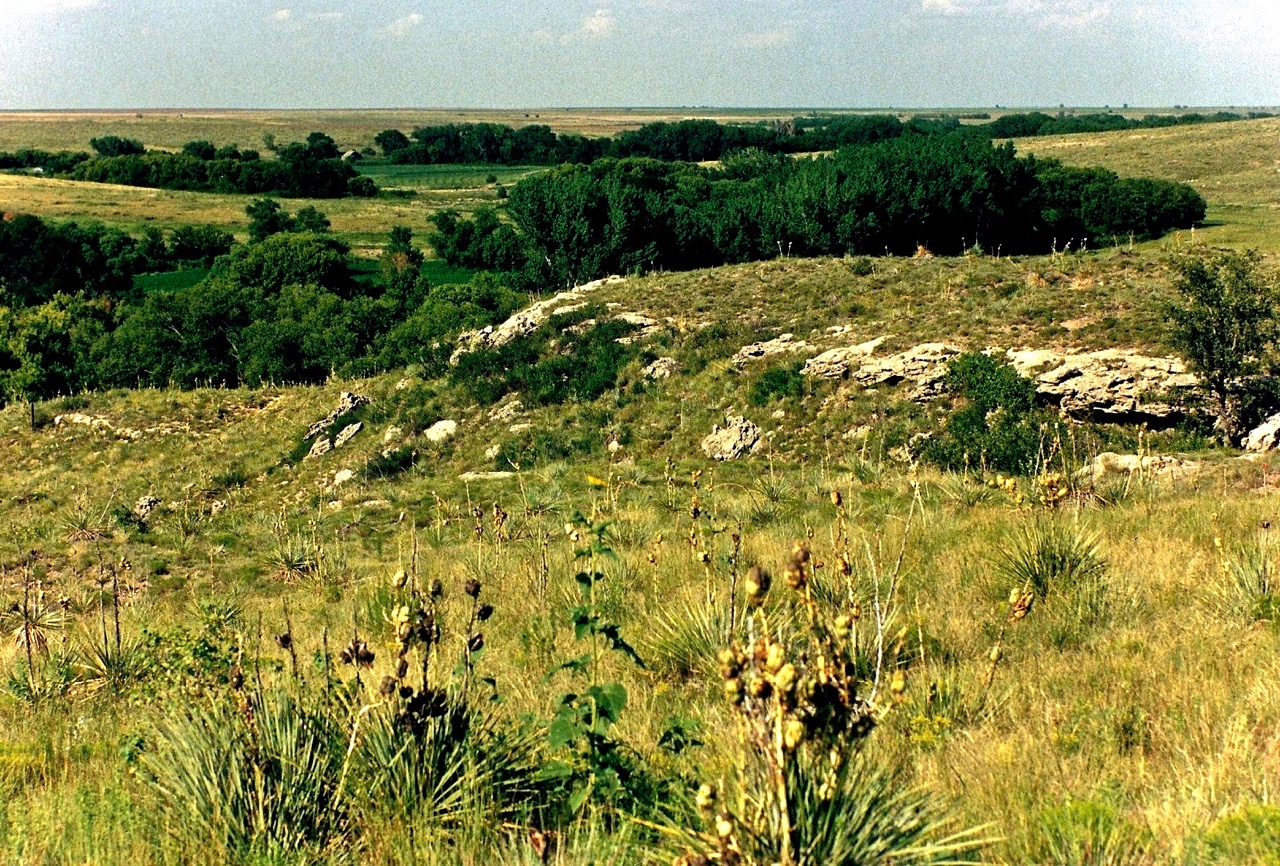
x=808, y=560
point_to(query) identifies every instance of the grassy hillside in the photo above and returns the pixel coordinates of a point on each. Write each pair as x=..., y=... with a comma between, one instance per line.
x=1078, y=669
x=1235, y=166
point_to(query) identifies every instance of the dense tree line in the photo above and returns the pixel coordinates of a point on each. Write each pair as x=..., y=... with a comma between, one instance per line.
x=310, y=169
x=288, y=308
x=707, y=140
x=945, y=193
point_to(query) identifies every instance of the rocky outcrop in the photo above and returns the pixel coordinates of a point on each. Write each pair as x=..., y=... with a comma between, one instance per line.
x=662, y=368
x=347, y=402
x=1264, y=438
x=144, y=506
x=836, y=363
x=780, y=345
x=1110, y=463
x=347, y=434
x=737, y=437
x=441, y=431
x=527, y=320
x=924, y=366
x=1109, y=385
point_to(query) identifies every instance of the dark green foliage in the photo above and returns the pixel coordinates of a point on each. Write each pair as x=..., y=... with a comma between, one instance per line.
x=267, y=218
x=39, y=259
x=777, y=383
x=1225, y=325
x=308, y=219
x=545, y=369
x=200, y=244
x=484, y=242
x=391, y=140
x=308, y=169
x=390, y=463
x=995, y=427
x=114, y=145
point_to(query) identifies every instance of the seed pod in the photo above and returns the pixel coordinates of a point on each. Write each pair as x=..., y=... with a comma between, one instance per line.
x=776, y=658
x=724, y=825
x=475, y=643
x=733, y=690
x=995, y=654
x=760, y=689
x=402, y=668
x=836, y=499
x=756, y=584
x=284, y=640
x=843, y=568
x=800, y=553
x=785, y=678
x=899, y=683
x=472, y=587
x=399, y=579
x=485, y=611
x=793, y=734
x=843, y=625
x=706, y=798
x=388, y=686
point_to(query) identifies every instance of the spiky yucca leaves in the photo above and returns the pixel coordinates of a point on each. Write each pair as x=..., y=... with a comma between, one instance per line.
x=1050, y=555
x=113, y=666
x=257, y=781
x=683, y=641
x=1090, y=833
x=1250, y=588
x=449, y=770
x=843, y=810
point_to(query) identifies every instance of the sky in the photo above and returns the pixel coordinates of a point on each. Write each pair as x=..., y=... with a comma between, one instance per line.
x=730, y=53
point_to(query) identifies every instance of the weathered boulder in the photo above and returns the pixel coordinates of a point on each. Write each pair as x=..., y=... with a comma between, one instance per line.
x=662, y=368
x=441, y=431
x=1265, y=437
x=925, y=366
x=737, y=437
x=527, y=320
x=347, y=434
x=1111, y=463
x=323, y=445
x=347, y=402
x=836, y=363
x=1108, y=385
x=780, y=345
x=144, y=506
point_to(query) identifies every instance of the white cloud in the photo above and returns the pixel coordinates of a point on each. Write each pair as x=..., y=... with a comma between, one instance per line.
x=1061, y=13
x=17, y=8
x=282, y=15
x=402, y=27
x=597, y=25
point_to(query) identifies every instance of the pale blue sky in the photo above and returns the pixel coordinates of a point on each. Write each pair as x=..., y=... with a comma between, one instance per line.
x=523, y=53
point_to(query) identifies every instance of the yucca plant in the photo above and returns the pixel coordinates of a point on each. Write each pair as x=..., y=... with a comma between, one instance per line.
x=683, y=640
x=106, y=663
x=1251, y=588
x=1050, y=556
x=257, y=781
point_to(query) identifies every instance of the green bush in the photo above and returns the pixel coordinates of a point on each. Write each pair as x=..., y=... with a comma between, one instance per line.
x=777, y=383
x=996, y=426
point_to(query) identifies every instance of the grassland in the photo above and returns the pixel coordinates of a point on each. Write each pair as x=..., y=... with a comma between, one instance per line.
x=1132, y=717
x=1235, y=166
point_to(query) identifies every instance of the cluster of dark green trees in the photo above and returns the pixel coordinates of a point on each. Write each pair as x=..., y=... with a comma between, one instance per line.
x=707, y=140
x=293, y=307
x=945, y=193
x=310, y=169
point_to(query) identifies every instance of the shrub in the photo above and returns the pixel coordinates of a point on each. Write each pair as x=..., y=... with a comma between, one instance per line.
x=1050, y=556
x=777, y=383
x=997, y=426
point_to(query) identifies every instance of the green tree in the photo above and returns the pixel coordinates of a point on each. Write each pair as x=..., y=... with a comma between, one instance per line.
x=267, y=218
x=391, y=140
x=1224, y=323
x=114, y=145
x=308, y=219
x=37, y=358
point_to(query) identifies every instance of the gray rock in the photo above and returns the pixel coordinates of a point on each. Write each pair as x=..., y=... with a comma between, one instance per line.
x=1110, y=463
x=1109, y=385
x=441, y=431
x=837, y=363
x=1265, y=437
x=662, y=368
x=348, y=433
x=323, y=445
x=780, y=345
x=737, y=437
x=144, y=506
x=527, y=320
x=347, y=402
x=485, y=476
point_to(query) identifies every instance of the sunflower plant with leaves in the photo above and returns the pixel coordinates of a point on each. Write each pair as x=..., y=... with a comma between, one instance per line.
x=592, y=765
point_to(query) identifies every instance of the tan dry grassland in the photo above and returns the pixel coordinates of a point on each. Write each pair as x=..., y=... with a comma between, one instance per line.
x=1133, y=717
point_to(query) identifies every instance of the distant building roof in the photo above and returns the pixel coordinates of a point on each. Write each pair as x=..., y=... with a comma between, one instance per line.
x=352, y=156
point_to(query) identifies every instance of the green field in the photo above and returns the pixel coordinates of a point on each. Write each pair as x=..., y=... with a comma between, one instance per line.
x=1061, y=667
